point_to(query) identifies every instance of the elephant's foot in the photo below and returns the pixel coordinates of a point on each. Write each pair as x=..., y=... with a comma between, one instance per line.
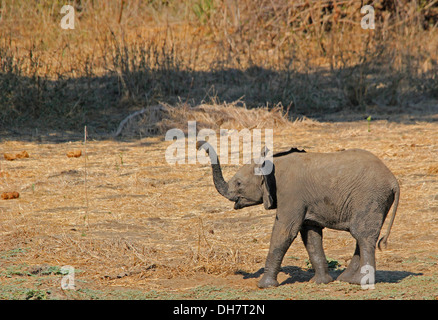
x=321, y=278
x=350, y=276
x=352, y=273
x=267, y=281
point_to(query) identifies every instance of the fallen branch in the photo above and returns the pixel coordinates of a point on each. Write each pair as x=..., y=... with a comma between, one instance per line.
x=133, y=115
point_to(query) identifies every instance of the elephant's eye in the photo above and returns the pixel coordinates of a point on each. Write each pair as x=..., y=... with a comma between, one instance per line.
x=238, y=183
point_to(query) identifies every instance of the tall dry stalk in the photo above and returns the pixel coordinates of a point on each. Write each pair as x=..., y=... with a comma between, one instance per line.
x=85, y=178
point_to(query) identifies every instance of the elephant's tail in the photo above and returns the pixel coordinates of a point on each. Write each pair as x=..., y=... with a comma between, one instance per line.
x=383, y=240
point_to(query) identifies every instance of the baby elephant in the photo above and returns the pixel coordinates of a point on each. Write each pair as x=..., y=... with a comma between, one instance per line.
x=349, y=190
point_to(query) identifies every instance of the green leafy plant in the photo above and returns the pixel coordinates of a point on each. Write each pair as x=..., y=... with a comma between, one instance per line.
x=55, y=270
x=369, y=123
x=332, y=263
x=203, y=9
x=36, y=294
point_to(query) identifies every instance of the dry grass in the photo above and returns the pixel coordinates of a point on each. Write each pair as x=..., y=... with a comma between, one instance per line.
x=312, y=57
x=137, y=221
x=147, y=221
x=160, y=119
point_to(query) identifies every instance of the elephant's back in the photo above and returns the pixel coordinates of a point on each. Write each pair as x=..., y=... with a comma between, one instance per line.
x=346, y=164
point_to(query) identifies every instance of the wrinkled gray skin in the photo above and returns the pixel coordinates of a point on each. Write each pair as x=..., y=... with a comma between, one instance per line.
x=350, y=190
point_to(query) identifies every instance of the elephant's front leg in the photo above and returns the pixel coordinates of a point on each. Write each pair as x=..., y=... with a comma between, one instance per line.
x=284, y=232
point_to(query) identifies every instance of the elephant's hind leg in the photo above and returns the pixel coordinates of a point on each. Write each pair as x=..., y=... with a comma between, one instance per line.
x=365, y=228
x=362, y=266
x=312, y=238
x=353, y=270
x=363, y=263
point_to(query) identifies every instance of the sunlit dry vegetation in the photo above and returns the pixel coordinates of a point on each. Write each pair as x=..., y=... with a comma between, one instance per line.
x=312, y=57
x=128, y=219
x=124, y=218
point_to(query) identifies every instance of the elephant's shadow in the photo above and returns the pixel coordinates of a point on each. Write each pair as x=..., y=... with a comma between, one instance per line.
x=297, y=274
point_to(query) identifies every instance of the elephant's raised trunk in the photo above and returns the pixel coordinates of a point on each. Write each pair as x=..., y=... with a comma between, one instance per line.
x=218, y=179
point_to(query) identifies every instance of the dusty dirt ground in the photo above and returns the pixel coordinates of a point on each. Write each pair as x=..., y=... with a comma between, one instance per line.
x=133, y=226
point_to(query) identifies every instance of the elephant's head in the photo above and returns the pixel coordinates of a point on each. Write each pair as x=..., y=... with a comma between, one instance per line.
x=245, y=188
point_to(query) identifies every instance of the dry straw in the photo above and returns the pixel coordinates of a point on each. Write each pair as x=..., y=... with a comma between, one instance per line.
x=159, y=119
x=149, y=221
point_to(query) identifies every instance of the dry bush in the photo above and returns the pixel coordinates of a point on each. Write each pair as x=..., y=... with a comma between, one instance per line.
x=160, y=119
x=312, y=57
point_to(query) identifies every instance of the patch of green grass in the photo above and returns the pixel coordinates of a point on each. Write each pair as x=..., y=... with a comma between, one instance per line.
x=426, y=261
x=11, y=292
x=53, y=270
x=203, y=10
x=15, y=270
x=12, y=253
x=332, y=263
x=36, y=294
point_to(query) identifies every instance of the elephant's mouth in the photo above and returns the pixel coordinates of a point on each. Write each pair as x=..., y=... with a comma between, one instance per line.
x=238, y=204
x=242, y=202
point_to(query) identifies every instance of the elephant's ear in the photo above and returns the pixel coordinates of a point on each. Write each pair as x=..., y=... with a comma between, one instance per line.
x=269, y=185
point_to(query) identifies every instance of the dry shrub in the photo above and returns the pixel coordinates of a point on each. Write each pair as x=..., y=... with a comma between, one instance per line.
x=211, y=116
x=313, y=57
x=227, y=116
